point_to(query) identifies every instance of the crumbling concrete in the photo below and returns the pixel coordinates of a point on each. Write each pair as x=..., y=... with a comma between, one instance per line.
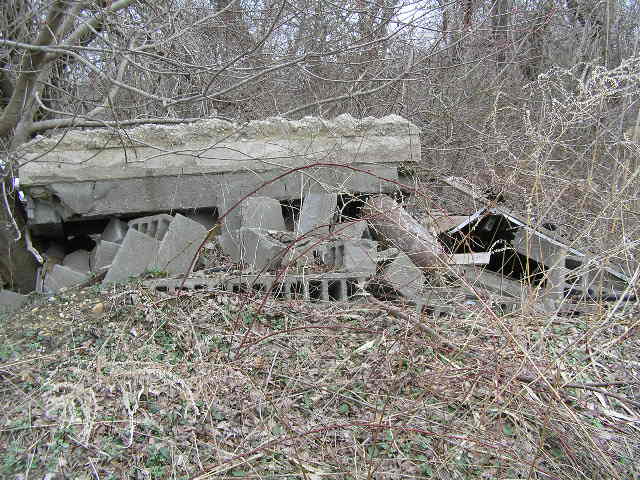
x=317, y=213
x=101, y=172
x=349, y=255
x=136, y=253
x=11, y=301
x=179, y=246
x=62, y=277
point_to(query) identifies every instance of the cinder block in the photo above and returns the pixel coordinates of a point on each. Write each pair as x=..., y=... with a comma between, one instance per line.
x=11, y=301
x=358, y=257
x=318, y=209
x=115, y=231
x=103, y=255
x=254, y=212
x=78, y=261
x=404, y=276
x=62, y=277
x=155, y=226
x=134, y=256
x=259, y=250
x=179, y=246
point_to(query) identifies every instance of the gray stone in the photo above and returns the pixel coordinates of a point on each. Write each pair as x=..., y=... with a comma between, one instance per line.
x=134, y=256
x=155, y=226
x=259, y=250
x=78, y=261
x=103, y=255
x=11, y=301
x=318, y=210
x=179, y=246
x=115, y=231
x=404, y=276
x=350, y=230
x=62, y=277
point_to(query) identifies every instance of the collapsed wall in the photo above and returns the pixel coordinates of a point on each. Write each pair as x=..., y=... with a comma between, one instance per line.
x=94, y=174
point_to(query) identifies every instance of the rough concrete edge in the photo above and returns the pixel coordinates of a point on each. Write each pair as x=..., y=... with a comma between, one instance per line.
x=220, y=130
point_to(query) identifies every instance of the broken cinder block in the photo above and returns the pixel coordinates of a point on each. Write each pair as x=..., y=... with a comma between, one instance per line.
x=62, y=277
x=102, y=255
x=136, y=253
x=179, y=245
x=254, y=212
x=155, y=226
x=403, y=275
x=317, y=213
x=115, y=231
x=78, y=261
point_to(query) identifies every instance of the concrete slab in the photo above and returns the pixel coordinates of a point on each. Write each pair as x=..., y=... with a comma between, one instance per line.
x=102, y=255
x=115, y=231
x=404, y=276
x=259, y=250
x=62, y=277
x=318, y=209
x=78, y=261
x=179, y=245
x=155, y=226
x=11, y=301
x=134, y=256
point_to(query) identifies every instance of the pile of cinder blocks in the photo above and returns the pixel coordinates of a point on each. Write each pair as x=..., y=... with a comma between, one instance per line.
x=254, y=235
x=161, y=243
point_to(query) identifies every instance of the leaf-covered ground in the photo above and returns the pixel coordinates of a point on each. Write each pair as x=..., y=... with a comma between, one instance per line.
x=132, y=384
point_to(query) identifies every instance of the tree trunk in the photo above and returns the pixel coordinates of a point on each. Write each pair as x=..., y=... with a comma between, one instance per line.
x=394, y=224
x=17, y=265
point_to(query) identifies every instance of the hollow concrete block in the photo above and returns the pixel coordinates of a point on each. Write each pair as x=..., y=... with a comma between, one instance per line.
x=259, y=250
x=254, y=212
x=155, y=226
x=179, y=245
x=135, y=254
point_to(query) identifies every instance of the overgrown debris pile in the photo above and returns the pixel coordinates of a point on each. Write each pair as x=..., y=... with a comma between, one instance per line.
x=130, y=383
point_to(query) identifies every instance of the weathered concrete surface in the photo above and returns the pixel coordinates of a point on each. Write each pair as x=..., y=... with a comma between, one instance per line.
x=318, y=211
x=62, y=277
x=11, y=301
x=187, y=166
x=349, y=255
x=134, y=256
x=103, y=255
x=478, y=278
x=179, y=246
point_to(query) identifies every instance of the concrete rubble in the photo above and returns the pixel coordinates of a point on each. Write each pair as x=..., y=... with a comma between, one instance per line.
x=11, y=301
x=287, y=235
